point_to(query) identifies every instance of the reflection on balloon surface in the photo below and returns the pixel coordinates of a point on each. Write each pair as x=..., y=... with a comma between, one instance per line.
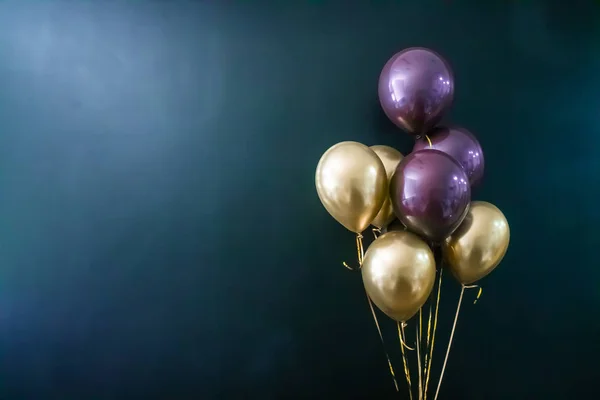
x=430, y=193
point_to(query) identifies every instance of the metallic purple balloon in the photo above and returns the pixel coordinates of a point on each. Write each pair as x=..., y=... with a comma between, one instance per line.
x=430, y=194
x=459, y=144
x=416, y=87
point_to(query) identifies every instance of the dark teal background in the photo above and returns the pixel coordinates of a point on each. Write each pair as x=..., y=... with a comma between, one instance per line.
x=160, y=234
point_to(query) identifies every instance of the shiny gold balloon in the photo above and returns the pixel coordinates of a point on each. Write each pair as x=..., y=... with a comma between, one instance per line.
x=352, y=184
x=390, y=158
x=479, y=243
x=399, y=272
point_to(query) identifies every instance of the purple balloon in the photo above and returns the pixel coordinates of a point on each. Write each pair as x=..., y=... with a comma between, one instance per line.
x=416, y=87
x=459, y=144
x=430, y=194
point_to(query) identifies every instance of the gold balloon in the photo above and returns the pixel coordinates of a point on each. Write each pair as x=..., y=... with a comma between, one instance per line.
x=479, y=243
x=352, y=184
x=398, y=273
x=390, y=158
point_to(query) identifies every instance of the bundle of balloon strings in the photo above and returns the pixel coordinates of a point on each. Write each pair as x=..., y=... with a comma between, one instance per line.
x=415, y=205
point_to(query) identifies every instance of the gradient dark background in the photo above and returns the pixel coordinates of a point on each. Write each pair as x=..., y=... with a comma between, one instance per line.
x=160, y=234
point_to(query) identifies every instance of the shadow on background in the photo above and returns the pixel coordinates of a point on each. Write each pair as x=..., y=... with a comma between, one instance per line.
x=161, y=237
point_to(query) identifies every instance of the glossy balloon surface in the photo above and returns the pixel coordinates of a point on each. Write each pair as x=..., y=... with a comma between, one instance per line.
x=430, y=194
x=461, y=145
x=416, y=88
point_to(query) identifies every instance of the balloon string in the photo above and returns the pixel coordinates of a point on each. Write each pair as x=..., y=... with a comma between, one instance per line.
x=419, y=371
x=435, y=319
x=426, y=361
x=421, y=344
x=360, y=253
x=429, y=141
x=428, y=336
x=478, y=293
x=420, y=325
x=462, y=292
x=382, y=342
x=401, y=336
x=403, y=340
x=376, y=233
x=361, y=256
x=361, y=250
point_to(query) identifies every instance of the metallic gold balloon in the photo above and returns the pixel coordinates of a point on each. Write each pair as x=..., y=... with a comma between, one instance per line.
x=479, y=243
x=390, y=158
x=352, y=184
x=398, y=273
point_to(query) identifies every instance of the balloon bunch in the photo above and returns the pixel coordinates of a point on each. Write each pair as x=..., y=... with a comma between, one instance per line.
x=417, y=205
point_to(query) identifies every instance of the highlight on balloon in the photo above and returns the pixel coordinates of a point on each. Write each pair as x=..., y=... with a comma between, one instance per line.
x=417, y=205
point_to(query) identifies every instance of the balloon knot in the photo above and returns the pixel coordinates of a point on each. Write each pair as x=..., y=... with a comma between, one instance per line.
x=376, y=232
